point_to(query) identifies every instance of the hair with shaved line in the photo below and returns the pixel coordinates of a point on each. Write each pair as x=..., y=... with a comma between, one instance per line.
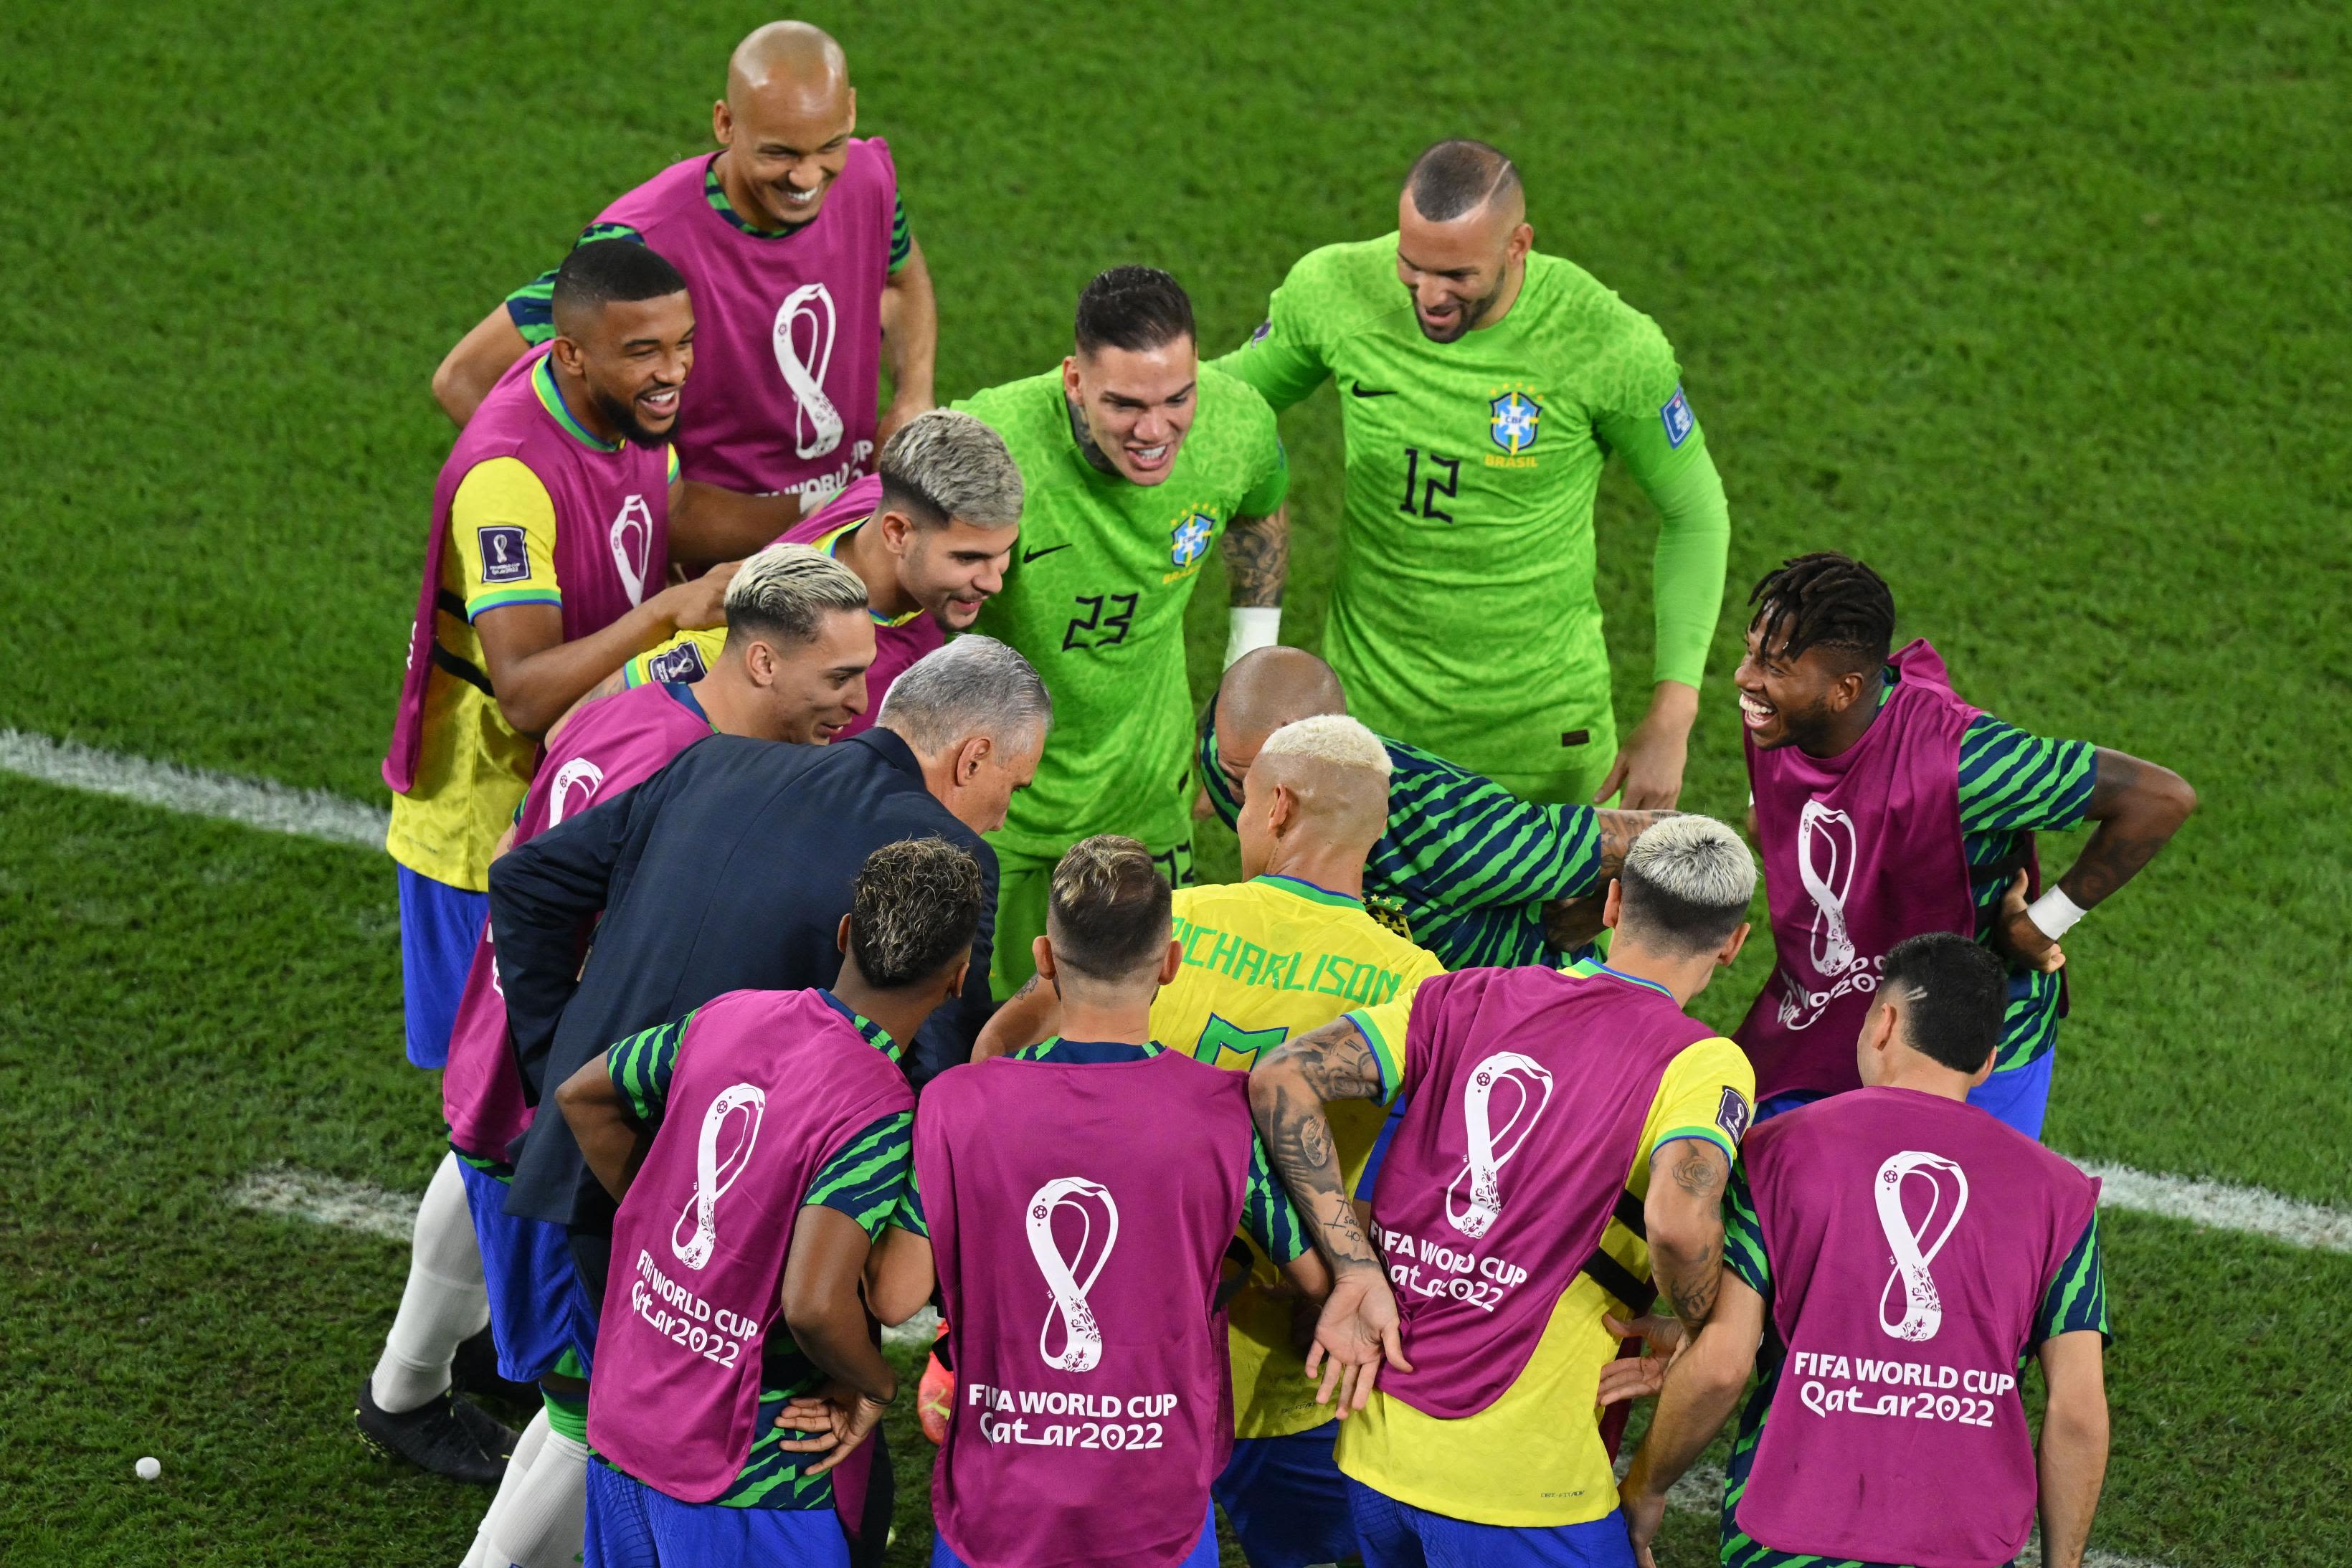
x=1459, y=176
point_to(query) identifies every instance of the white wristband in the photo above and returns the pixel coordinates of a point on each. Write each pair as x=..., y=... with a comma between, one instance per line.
x=1252, y=627
x=2053, y=914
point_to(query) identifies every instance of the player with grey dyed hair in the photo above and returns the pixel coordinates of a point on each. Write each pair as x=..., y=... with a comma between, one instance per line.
x=799, y=642
x=1686, y=885
x=928, y=537
x=975, y=714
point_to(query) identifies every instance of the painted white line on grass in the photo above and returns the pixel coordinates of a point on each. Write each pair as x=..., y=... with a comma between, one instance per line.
x=256, y=802
x=327, y=1200
x=2249, y=1210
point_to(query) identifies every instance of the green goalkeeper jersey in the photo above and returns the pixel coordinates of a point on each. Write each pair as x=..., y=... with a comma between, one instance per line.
x=1463, y=618
x=1095, y=598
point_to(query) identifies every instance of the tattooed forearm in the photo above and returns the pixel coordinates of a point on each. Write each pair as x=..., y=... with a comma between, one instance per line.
x=1702, y=1171
x=1257, y=557
x=1334, y=1061
x=2138, y=807
x=1618, y=831
x=1288, y=1090
x=1694, y=1298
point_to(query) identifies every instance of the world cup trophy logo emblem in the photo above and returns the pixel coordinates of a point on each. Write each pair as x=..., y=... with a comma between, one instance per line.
x=1081, y=1334
x=574, y=789
x=804, y=341
x=1491, y=1146
x=633, y=546
x=1922, y=1307
x=741, y=1107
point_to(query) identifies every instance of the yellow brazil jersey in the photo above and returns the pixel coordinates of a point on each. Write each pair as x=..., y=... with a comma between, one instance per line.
x=472, y=767
x=1534, y=1456
x=1264, y=960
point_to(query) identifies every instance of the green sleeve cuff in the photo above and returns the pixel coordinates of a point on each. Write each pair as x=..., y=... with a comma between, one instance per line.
x=1388, y=1056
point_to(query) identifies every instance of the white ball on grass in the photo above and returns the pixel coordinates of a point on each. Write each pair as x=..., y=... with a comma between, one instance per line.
x=149, y=1467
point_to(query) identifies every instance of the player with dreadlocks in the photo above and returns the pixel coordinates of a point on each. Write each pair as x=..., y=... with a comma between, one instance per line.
x=1886, y=805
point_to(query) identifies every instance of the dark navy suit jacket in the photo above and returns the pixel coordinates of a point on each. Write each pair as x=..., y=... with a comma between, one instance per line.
x=728, y=870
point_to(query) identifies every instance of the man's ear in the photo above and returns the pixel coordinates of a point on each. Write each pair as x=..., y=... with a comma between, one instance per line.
x=1612, y=908
x=896, y=530
x=759, y=662
x=1041, y=952
x=1171, y=961
x=956, y=980
x=1724, y=955
x=722, y=124
x=1282, y=812
x=969, y=756
x=841, y=934
x=1845, y=691
x=1522, y=240
x=1070, y=377
x=567, y=354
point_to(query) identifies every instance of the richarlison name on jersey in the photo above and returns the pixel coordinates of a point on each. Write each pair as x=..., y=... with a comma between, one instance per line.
x=1933, y=1403
x=1133, y=1422
x=1239, y=959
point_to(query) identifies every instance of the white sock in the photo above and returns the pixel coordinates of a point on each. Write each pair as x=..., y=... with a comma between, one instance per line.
x=518, y=1464
x=543, y=1525
x=444, y=1302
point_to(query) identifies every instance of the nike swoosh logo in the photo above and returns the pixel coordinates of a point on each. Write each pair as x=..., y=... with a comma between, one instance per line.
x=1029, y=555
x=1361, y=390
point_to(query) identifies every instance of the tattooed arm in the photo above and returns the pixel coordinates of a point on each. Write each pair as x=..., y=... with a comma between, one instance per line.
x=1288, y=1092
x=1684, y=1215
x=1258, y=558
x=2138, y=806
x=1031, y=1014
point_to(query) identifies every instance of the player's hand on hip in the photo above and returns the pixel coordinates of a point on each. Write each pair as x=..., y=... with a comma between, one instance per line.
x=1359, y=1329
x=834, y=1422
x=702, y=603
x=2018, y=939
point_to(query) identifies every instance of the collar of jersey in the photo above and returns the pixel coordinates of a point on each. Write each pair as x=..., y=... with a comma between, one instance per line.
x=830, y=542
x=1584, y=966
x=683, y=694
x=1308, y=891
x=1087, y=1051
x=715, y=193
x=550, y=398
x=875, y=1035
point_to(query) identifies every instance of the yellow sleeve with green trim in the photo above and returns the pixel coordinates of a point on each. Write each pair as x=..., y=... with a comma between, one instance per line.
x=1384, y=1029
x=683, y=659
x=1708, y=1091
x=502, y=532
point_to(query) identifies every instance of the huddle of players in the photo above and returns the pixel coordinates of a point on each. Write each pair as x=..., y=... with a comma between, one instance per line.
x=1884, y=807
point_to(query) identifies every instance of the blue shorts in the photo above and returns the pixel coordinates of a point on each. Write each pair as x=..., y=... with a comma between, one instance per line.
x=631, y=1525
x=1395, y=1534
x=537, y=1305
x=1287, y=1500
x=2018, y=1098
x=439, y=926
x=1202, y=1555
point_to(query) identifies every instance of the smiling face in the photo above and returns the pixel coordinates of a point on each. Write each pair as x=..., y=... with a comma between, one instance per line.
x=1461, y=272
x=1799, y=701
x=633, y=356
x=1135, y=406
x=787, y=141
x=952, y=571
x=809, y=691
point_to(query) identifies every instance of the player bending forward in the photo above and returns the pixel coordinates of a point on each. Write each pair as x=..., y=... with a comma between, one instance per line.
x=1076, y=1201
x=1908, y=1253
x=1286, y=951
x=755, y=1146
x=797, y=635
x=1548, y=1111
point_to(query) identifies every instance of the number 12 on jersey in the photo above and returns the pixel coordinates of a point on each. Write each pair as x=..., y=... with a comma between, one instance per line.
x=1431, y=486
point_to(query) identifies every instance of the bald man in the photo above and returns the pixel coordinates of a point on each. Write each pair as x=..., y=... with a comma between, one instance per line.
x=804, y=275
x=1287, y=950
x=1483, y=386
x=1468, y=869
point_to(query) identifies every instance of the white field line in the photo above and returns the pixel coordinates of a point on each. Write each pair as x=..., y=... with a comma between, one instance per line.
x=2249, y=1210
x=327, y=1200
x=256, y=802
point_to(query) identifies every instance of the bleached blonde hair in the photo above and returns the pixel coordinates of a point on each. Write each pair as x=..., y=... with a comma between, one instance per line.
x=1331, y=737
x=785, y=590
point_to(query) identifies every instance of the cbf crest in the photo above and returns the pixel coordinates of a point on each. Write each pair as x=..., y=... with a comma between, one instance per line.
x=1515, y=420
x=1188, y=540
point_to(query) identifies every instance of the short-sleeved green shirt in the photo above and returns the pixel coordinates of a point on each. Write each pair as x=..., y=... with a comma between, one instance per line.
x=1095, y=598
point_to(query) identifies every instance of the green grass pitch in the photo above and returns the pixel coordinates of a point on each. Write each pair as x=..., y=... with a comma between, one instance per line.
x=2041, y=310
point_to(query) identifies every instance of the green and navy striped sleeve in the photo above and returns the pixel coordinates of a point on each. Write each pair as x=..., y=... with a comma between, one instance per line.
x=532, y=307
x=1743, y=1238
x=642, y=1066
x=2012, y=781
x=902, y=238
x=2076, y=1301
x=1485, y=845
x=909, y=1214
x=867, y=1176
x=1267, y=1216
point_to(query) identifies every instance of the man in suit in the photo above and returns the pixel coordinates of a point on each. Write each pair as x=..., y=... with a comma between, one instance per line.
x=731, y=869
